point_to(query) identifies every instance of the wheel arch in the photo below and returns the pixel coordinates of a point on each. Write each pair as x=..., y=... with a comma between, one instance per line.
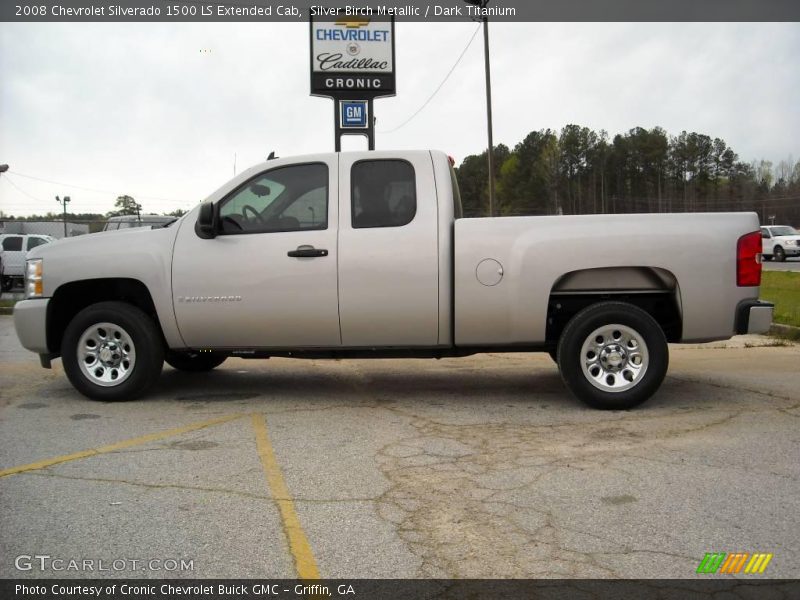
x=653, y=289
x=72, y=297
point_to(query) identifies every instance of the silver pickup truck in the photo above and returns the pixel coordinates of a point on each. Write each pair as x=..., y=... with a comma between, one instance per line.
x=366, y=255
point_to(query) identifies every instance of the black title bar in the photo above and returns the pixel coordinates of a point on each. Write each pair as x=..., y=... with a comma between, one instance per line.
x=289, y=11
x=407, y=589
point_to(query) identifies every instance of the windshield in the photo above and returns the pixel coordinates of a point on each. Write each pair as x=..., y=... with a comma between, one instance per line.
x=783, y=231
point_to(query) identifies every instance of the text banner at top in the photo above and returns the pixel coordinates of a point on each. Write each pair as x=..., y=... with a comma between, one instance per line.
x=410, y=10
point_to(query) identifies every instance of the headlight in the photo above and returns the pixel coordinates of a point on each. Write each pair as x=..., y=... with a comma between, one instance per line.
x=33, y=278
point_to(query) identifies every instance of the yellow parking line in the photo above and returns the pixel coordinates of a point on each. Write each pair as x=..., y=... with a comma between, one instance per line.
x=303, y=556
x=117, y=446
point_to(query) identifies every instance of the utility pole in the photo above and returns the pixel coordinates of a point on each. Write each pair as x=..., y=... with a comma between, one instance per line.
x=482, y=4
x=63, y=204
x=3, y=169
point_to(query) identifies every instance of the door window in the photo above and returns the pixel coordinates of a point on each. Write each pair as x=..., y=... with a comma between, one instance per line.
x=13, y=243
x=35, y=241
x=383, y=194
x=293, y=198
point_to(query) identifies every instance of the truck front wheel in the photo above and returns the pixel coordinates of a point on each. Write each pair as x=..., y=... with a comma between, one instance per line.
x=112, y=351
x=613, y=355
x=193, y=362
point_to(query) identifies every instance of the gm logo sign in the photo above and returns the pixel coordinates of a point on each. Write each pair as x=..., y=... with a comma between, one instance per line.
x=353, y=114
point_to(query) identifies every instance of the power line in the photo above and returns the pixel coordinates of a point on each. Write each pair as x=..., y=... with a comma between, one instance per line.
x=87, y=189
x=440, y=86
x=20, y=190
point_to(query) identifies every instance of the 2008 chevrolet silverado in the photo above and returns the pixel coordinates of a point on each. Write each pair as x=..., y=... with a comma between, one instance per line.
x=366, y=255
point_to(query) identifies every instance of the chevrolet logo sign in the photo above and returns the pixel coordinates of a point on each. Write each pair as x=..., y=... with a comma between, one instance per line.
x=353, y=22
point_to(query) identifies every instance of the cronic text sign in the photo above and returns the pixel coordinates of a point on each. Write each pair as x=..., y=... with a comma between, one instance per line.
x=352, y=56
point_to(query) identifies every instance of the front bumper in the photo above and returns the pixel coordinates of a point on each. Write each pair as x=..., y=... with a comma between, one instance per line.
x=754, y=316
x=30, y=321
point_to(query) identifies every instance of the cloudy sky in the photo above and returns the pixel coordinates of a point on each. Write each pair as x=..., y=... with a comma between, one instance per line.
x=138, y=109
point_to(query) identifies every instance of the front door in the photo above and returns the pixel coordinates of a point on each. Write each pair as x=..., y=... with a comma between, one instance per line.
x=268, y=280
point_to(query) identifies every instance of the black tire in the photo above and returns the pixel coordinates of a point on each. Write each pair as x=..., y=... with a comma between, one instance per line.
x=779, y=254
x=7, y=284
x=146, y=340
x=578, y=331
x=193, y=362
x=766, y=256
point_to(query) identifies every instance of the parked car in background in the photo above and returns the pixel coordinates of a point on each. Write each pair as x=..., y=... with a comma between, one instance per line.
x=128, y=221
x=13, y=249
x=779, y=241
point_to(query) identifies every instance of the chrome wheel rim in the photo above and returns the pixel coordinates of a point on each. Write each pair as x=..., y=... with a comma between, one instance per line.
x=614, y=358
x=106, y=354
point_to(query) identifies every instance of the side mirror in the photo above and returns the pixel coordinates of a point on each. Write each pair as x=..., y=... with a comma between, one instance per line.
x=206, y=226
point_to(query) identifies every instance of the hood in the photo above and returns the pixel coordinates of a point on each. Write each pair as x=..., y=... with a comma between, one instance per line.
x=91, y=241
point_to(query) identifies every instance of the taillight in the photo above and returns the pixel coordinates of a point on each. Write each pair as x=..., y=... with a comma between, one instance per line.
x=748, y=260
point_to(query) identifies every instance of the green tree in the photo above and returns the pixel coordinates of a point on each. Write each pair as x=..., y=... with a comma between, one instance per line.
x=125, y=205
x=578, y=171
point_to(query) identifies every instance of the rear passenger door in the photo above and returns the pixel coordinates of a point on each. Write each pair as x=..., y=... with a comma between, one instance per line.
x=388, y=251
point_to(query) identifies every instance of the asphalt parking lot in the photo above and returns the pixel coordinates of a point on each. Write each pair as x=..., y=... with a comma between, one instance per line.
x=475, y=467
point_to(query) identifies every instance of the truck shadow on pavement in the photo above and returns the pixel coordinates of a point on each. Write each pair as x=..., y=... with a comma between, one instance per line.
x=535, y=386
x=337, y=383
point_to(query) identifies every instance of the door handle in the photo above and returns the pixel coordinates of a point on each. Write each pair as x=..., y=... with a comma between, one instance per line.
x=307, y=252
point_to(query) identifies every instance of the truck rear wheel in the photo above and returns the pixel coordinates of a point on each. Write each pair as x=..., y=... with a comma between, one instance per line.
x=613, y=355
x=193, y=362
x=112, y=351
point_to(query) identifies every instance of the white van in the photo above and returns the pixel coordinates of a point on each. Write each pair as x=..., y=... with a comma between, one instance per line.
x=13, y=249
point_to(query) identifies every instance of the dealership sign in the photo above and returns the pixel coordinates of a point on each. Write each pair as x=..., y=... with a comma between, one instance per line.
x=352, y=56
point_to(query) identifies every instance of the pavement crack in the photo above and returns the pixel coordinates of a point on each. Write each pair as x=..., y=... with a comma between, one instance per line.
x=151, y=486
x=736, y=388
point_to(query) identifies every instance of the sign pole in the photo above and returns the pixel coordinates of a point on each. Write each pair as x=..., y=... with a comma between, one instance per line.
x=371, y=134
x=337, y=131
x=489, y=113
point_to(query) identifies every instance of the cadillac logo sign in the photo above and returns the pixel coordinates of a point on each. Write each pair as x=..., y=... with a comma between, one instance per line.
x=352, y=57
